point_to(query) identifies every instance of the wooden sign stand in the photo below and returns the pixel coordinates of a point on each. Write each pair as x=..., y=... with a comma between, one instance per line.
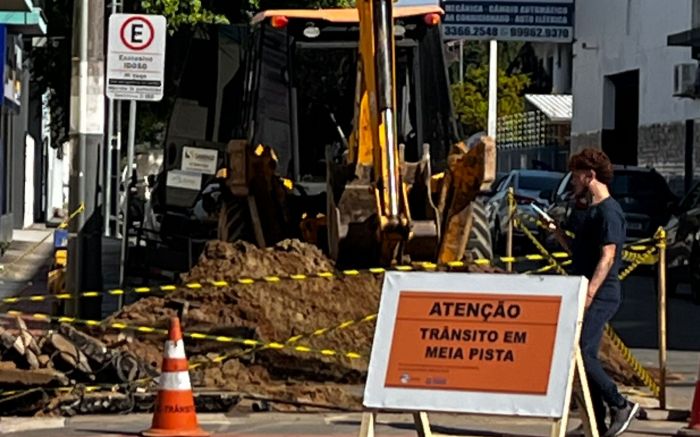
x=576, y=390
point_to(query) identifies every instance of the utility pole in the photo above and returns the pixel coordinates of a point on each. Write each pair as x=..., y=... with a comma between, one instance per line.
x=86, y=137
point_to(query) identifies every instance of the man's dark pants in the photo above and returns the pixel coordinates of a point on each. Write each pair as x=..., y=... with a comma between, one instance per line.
x=603, y=389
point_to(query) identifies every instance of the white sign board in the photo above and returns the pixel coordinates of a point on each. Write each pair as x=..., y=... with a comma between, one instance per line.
x=508, y=20
x=184, y=180
x=196, y=159
x=475, y=343
x=136, y=57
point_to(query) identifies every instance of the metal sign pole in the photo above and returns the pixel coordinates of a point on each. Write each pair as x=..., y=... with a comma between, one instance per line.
x=127, y=181
x=117, y=175
x=493, y=87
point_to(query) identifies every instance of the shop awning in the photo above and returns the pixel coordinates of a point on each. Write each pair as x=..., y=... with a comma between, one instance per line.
x=16, y=5
x=27, y=23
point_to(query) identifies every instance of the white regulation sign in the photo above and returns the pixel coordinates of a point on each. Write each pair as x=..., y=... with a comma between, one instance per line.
x=508, y=20
x=136, y=57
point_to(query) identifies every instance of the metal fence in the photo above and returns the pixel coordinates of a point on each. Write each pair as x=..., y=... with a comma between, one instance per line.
x=530, y=140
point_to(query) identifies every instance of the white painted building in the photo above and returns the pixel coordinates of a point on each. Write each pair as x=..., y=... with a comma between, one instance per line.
x=623, y=85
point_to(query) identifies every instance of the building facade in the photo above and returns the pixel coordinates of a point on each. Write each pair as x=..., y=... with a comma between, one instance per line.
x=20, y=20
x=623, y=86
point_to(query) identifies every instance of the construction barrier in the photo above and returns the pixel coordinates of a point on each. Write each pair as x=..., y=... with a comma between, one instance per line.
x=637, y=254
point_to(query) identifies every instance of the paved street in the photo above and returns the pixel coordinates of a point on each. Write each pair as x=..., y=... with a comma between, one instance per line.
x=278, y=424
x=636, y=321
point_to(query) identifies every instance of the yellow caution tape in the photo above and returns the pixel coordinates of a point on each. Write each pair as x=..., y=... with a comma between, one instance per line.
x=540, y=223
x=540, y=247
x=273, y=279
x=637, y=367
x=288, y=343
x=636, y=263
x=546, y=268
x=627, y=254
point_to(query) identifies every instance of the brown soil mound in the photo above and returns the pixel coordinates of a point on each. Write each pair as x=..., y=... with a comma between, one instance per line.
x=274, y=312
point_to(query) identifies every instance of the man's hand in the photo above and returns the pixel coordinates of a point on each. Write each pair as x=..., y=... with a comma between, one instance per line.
x=589, y=297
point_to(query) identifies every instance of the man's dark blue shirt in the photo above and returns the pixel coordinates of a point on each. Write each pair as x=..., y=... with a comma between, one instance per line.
x=603, y=224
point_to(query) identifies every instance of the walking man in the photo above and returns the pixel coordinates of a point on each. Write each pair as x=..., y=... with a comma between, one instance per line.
x=597, y=254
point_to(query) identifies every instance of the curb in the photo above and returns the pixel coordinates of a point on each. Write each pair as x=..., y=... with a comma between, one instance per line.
x=10, y=425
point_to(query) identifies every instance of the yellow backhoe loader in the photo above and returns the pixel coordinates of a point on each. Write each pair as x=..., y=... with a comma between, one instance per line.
x=348, y=139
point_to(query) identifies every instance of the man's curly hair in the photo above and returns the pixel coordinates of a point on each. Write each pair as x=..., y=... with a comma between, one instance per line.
x=596, y=160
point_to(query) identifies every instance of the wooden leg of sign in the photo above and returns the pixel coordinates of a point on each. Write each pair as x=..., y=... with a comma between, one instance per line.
x=422, y=424
x=577, y=391
x=585, y=403
x=367, y=425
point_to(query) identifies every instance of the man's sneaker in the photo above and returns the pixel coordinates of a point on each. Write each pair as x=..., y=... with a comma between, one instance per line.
x=621, y=419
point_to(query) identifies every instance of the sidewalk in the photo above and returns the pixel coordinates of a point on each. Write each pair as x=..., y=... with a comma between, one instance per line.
x=682, y=371
x=26, y=263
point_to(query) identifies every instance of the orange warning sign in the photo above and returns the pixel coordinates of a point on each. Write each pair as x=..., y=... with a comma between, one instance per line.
x=473, y=342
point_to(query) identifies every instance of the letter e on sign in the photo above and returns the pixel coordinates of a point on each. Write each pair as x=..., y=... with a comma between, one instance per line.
x=137, y=33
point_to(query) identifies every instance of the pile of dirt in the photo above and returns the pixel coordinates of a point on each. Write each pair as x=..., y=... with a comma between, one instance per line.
x=276, y=312
x=268, y=312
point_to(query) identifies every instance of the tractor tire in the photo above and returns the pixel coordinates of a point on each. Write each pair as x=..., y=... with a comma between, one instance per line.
x=479, y=244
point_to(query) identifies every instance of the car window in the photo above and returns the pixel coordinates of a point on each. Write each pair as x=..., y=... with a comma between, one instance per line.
x=635, y=183
x=539, y=182
x=564, y=185
x=641, y=192
x=507, y=182
x=691, y=200
x=501, y=184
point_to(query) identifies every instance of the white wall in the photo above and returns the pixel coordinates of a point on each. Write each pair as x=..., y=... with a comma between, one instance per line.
x=621, y=35
x=29, y=145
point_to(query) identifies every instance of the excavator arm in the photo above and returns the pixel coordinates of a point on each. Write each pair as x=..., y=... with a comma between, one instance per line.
x=376, y=122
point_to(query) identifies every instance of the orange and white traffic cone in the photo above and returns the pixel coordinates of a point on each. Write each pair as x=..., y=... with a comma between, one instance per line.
x=174, y=413
x=694, y=425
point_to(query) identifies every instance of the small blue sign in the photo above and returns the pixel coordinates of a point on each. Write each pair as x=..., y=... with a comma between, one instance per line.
x=60, y=239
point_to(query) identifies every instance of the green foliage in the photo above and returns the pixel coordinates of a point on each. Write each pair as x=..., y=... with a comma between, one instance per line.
x=471, y=97
x=51, y=67
x=183, y=13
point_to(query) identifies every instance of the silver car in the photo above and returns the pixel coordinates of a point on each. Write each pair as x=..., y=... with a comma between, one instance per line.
x=530, y=186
